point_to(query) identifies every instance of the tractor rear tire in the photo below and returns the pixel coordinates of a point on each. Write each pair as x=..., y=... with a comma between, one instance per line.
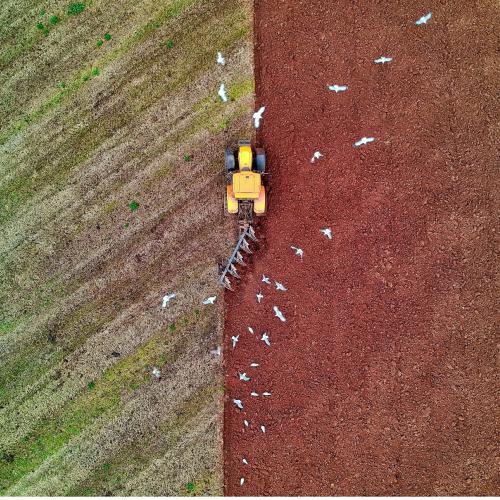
x=260, y=160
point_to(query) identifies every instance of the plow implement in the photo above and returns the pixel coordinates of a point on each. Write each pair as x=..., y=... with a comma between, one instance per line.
x=246, y=234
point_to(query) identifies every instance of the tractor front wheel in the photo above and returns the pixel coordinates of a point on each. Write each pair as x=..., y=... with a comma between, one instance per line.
x=260, y=160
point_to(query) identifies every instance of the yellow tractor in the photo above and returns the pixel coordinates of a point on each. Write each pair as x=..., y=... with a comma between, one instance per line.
x=245, y=191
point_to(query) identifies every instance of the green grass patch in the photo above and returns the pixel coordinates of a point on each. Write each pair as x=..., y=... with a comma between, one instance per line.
x=107, y=37
x=75, y=8
x=54, y=20
x=136, y=456
x=241, y=88
x=104, y=396
x=133, y=205
x=7, y=326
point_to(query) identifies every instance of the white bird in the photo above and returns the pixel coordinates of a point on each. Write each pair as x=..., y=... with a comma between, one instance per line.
x=238, y=403
x=265, y=279
x=210, y=300
x=363, y=140
x=156, y=372
x=338, y=88
x=222, y=92
x=259, y=297
x=382, y=60
x=250, y=329
x=327, y=232
x=220, y=58
x=316, y=156
x=278, y=314
x=257, y=116
x=245, y=461
x=265, y=338
x=246, y=422
x=279, y=286
x=244, y=377
x=216, y=352
x=235, y=340
x=167, y=298
x=242, y=480
x=263, y=429
x=266, y=393
x=298, y=251
x=254, y=394
x=423, y=19
x=254, y=365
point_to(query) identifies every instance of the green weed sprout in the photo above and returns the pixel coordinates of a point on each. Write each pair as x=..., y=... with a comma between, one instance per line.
x=54, y=20
x=99, y=43
x=75, y=8
x=170, y=44
x=107, y=37
x=133, y=205
x=187, y=157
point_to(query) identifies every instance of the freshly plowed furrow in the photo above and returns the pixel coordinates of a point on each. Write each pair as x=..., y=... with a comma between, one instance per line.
x=383, y=376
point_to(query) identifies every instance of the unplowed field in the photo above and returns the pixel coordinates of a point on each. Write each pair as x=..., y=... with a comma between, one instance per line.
x=383, y=376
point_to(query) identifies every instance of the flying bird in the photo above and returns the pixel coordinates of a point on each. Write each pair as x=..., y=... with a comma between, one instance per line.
x=278, y=314
x=265, y=338
x=210, y=300
x=263, y=429
x=363, y=140
x=265, y=279
x=222, y=92
x=167, y=298
x=250, y=329
x=238, y=403
x=279, y=286
x=423, y=19
x=254, y=365
x=327, y=232
x=235, y=340
x=245, y=461
x=220, y=58
x=257, y=116
x=259, y=297
x=266, y=393
x=216, y=352
x=246, y=422
x=338, y=88
x=316, y=156
x=298, y=251
x=244, y=377
x=254, y=394
x=242, y=480
x=382, y=60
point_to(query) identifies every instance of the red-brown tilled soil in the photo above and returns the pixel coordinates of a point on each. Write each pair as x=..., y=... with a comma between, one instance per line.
x=383, y=377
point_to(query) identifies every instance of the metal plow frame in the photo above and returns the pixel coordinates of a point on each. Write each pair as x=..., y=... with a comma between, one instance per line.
x=237, y=257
